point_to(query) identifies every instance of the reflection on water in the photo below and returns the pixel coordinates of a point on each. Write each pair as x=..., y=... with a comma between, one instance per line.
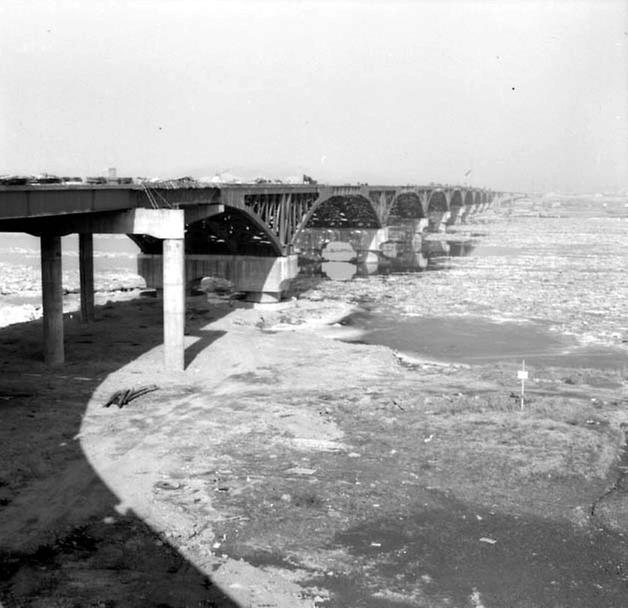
x=461, y=248
x=339, y=271
x=477, y=340
x=573, y=273
x=342, y=264
x=338, y=251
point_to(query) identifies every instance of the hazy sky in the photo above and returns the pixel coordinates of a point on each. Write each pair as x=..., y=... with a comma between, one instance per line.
x=526, y=95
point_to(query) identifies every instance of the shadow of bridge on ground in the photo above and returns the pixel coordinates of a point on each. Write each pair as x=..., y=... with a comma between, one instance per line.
x=65, y=539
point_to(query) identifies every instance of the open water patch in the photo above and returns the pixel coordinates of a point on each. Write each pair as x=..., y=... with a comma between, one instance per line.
x=475, y=340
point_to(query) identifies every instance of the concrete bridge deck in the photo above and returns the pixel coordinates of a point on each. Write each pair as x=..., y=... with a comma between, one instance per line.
x=278, y=210
x=252, y=230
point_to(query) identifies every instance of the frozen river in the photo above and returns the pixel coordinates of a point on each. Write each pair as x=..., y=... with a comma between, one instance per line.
x=549, y=290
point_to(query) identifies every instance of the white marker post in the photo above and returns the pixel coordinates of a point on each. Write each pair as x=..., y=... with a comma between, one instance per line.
x=522, y=374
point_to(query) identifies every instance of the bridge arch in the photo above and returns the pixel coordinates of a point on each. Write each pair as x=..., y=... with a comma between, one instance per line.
x=437, y=210
x=353, y=211
x=406, y=205
x=437, y=202
x=235, y=231
x=468, y=198
x=456, y=207
x=457, y=199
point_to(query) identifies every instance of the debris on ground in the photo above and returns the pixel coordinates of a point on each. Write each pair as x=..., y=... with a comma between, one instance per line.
x=123, y=397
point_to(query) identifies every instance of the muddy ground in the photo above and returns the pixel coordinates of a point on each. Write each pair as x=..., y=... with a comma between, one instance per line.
x=286, y=467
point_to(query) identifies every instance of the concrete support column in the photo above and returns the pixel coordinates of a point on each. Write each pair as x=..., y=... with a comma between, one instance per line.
x=52, y=299
x=454, y=216
x=86, y=270
x=174, y=303
x=436, y=219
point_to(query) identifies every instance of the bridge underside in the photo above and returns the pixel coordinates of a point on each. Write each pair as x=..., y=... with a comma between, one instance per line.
x=408, y=205
x=344, y=211
x=163, y=225
x=232, y=232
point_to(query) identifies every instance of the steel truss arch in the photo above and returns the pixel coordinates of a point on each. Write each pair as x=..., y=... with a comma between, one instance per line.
x=340, y=210
x=437, y=201
x=409, y=203
x=234, y=231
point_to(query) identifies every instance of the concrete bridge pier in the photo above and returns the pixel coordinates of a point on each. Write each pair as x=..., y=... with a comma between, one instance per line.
x=435, y=247
x=86, y=273
x=164, y=224
x=464, y=214
x=262, y=278
x=455, y=216
x=366, y=242
x=52, y=299
x=174, y=303
x=436, y=220
x=406, y=260
x=405, y=245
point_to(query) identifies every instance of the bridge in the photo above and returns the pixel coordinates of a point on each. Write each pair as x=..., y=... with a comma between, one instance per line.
x=250, y=234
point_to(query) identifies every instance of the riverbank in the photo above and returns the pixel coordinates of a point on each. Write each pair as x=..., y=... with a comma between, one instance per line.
x=285, y=468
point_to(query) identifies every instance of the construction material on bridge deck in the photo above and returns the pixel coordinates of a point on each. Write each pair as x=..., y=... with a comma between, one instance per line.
x=124, y=397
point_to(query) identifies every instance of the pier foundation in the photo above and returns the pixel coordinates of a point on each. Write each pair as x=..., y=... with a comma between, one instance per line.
x=366, y=242
x=404, y=248
x=436, y=220
x=455, y=216
x=263, y=279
